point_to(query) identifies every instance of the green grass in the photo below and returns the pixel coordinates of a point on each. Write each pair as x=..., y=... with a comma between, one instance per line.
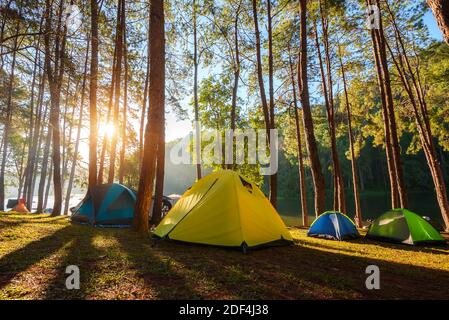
x=120, y=264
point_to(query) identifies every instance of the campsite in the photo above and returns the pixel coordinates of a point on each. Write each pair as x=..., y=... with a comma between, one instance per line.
x=224, y=150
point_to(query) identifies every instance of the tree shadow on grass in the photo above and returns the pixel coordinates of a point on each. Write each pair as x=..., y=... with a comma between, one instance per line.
x=298, y=272
x=158, y=274
x=18, y=261
x=81, y=253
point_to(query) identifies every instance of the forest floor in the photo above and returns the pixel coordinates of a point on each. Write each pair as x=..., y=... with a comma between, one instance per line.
x=120, y=264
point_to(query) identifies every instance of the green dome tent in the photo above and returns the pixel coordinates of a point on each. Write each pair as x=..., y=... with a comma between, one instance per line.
x=404, y=226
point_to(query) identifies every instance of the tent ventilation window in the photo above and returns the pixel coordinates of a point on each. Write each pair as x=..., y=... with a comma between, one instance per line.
x=246, y=184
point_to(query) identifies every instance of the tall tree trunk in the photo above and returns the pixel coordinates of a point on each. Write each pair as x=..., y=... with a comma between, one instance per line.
x=124, y=120
x=160, y=167
x=93, y=126
x=339, y=194
x=263, y=96
x=388, y=149
x=48, y=186
x=301, y=171
x=329, y=112
x=33, y=132
x=317, y=173
x=155, y=124
x=35, y=121
x=145, y=99
x=195, y=93
x=440, y=9
x=41, y=189
x=118, y=74
x=412, y=85
x=7, y=124
x=273, y=177
x=354, y=169
x=66, y=137
x=235, y=86
x=20, y=167
x=268, y=109
x=38, y=138
x=396, y=151
x=78, y=134
x=55, y=76
x=108, y=116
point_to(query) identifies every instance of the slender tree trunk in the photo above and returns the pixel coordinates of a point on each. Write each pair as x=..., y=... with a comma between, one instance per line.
x=268, y=108
x=7, y=124
x=440, y=9
x=33, y=133
x=41, y=189
x=391, y=135
x=124, y=120
x=155, y=124
x=38, y=139
x=301, y=171
x=263, y=96
x=339, y=194
x=48, y=186
x=388, y=150
x=20, y=171
x=329, y=112
x=160, y=167
x=66, y=138
x=93, y=126
x=78, y=134
x=235, y=86
x=145, y=99
x=195, y=92
x=34, y=138
x=273, y=177
x=412, y=85
x=55, y=76
x=119, y=45
x=317, y=173
x=354, y=169
x=392, y=118
x=108, y=116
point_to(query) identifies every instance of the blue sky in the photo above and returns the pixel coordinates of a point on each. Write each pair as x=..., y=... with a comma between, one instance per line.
x=431, y=23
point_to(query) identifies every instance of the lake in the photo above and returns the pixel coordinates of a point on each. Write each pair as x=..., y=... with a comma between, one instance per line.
x=373, y=205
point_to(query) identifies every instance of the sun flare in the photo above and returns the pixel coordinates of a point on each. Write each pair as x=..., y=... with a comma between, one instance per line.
x=106, y=129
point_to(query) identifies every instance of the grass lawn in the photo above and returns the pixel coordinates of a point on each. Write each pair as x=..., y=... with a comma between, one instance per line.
x=120, y=264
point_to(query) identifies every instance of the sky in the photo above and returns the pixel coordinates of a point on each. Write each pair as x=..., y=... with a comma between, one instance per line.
x=431, y=23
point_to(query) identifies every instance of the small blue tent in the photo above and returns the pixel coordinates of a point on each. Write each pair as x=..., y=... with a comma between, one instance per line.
x=333, y=225
x=107, y=204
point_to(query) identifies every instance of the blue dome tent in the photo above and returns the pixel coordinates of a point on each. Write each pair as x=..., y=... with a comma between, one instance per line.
x=333, y=225
x=108, y=205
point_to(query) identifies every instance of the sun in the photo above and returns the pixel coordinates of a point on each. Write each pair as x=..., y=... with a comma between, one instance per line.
x=106, y=130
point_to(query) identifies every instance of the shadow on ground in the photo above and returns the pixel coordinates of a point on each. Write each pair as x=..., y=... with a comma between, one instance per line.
x=120, y=264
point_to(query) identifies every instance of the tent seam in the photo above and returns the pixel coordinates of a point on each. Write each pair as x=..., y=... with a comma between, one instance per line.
x=238, y=208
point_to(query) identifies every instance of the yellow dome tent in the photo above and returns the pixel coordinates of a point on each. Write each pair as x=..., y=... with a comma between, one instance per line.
x=224, y=209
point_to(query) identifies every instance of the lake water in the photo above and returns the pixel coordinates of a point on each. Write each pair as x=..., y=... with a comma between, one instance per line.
x=74, y=200
x=373, y=205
